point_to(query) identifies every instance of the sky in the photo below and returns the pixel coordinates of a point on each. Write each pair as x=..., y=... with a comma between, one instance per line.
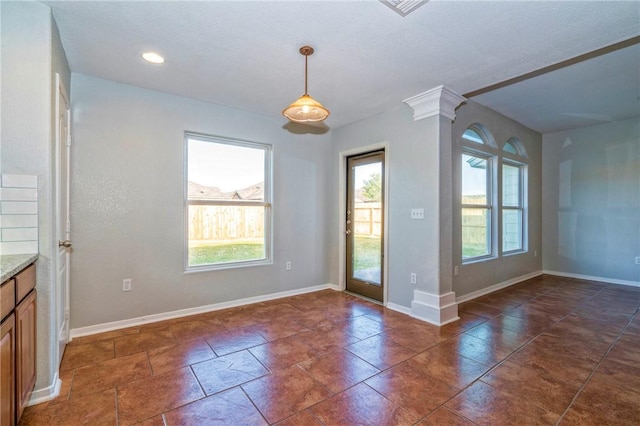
x=229, y=167
x=473, y=179
x=364, y=172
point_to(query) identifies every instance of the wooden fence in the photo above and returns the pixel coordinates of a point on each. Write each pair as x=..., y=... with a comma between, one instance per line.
x=224, y=223
x=367, y=219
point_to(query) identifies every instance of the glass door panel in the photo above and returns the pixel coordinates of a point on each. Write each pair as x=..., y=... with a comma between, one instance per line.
x=364, y=224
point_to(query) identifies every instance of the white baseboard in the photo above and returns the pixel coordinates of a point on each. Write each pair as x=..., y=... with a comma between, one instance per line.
x=399, y=308
x=437, y=309
x=52, y=391
x=419, y=315
x=592, y=278
x=132, y=322
x=498, y=286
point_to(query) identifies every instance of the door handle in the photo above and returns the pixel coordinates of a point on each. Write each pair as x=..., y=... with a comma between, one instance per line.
x=65, y=243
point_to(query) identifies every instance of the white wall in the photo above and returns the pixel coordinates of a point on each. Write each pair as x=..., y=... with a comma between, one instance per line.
x=413, y=183
x=476, y=276
x=591, y=207
x=127, y=203
x=31, y=55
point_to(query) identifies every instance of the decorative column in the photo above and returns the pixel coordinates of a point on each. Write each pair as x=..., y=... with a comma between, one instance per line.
x=437, y=305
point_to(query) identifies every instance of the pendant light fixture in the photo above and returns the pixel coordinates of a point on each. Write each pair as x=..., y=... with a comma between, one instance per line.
x=305, y=108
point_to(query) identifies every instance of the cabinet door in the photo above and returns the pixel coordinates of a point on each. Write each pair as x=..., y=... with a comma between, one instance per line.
x=7, y=369
x=25, y=350
x=25, y=282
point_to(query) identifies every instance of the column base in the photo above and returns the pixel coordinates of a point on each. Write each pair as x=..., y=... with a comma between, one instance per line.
x=433, y=308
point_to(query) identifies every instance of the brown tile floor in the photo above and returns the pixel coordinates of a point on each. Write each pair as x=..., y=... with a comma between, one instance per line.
x=546, y=351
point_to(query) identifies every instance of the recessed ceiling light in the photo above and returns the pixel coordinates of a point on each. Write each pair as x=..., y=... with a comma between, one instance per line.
x=152, y=57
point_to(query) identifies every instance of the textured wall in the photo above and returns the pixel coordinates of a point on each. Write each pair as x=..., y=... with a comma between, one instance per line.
x=413, y=183
x=476, y=276
x=416, y=173
x=127, y=203
x=591, y=192
x=31, y=55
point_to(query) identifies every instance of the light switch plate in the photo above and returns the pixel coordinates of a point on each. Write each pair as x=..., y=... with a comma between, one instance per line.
x=417, y=213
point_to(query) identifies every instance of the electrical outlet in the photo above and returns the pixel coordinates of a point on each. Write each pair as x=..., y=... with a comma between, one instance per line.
x=638, y=260
x=288, y=265
x=455, y=270
x=417, y=213
x=414, y=278
x=126, y=284
x=535, y=253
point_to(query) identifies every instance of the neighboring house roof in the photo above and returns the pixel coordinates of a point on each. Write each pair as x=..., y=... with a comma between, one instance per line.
x=253, y=192
x=197, y=191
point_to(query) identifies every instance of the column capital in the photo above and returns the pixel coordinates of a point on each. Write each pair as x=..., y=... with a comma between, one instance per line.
x=437, y=101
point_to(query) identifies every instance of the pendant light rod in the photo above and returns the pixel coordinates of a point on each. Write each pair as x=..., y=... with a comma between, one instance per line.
x=306, y=65
x=306, y=51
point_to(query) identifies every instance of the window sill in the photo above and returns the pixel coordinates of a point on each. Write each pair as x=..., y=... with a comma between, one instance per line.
x=224, y=266
x=514, y=252
x=478, y=260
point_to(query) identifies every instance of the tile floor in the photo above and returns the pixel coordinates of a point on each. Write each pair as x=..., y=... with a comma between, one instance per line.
x=546, y=351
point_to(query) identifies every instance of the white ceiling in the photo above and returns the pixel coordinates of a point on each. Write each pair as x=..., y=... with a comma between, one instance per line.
x=599, y=90
x=244, y=54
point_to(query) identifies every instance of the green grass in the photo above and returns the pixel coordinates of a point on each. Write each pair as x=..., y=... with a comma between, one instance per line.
x=473, y=250
x=224, y=253
x=366, y=253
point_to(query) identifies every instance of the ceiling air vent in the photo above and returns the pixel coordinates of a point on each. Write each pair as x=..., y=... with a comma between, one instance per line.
x=404, y=7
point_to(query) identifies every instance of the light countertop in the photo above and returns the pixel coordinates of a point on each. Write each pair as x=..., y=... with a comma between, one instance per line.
x=11, y=264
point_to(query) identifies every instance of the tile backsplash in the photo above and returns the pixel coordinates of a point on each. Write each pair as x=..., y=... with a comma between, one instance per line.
x=18, y=214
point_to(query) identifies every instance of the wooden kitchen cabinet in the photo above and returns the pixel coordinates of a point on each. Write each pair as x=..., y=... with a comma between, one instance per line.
x=7, y=371
x=17, y=344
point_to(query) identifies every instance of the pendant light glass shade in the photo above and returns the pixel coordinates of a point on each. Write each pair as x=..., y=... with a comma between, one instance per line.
x=305, y=108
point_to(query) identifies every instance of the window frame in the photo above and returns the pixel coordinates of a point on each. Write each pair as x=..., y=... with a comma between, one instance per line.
x=497, y=156
x=522, y=172
x=266, y=203
x=489, y=157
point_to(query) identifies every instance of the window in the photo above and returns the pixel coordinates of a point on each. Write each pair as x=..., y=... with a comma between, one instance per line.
x=491, y=177
x=510, y=148
x=513, y=196
x=472, y=136
x=476, y=206
x=513, y=147
x=477, y=193
x=227, y=199
x=512, y=207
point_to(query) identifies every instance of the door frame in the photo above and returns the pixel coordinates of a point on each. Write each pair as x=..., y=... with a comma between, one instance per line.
x=342, y=206
x=61, y=92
